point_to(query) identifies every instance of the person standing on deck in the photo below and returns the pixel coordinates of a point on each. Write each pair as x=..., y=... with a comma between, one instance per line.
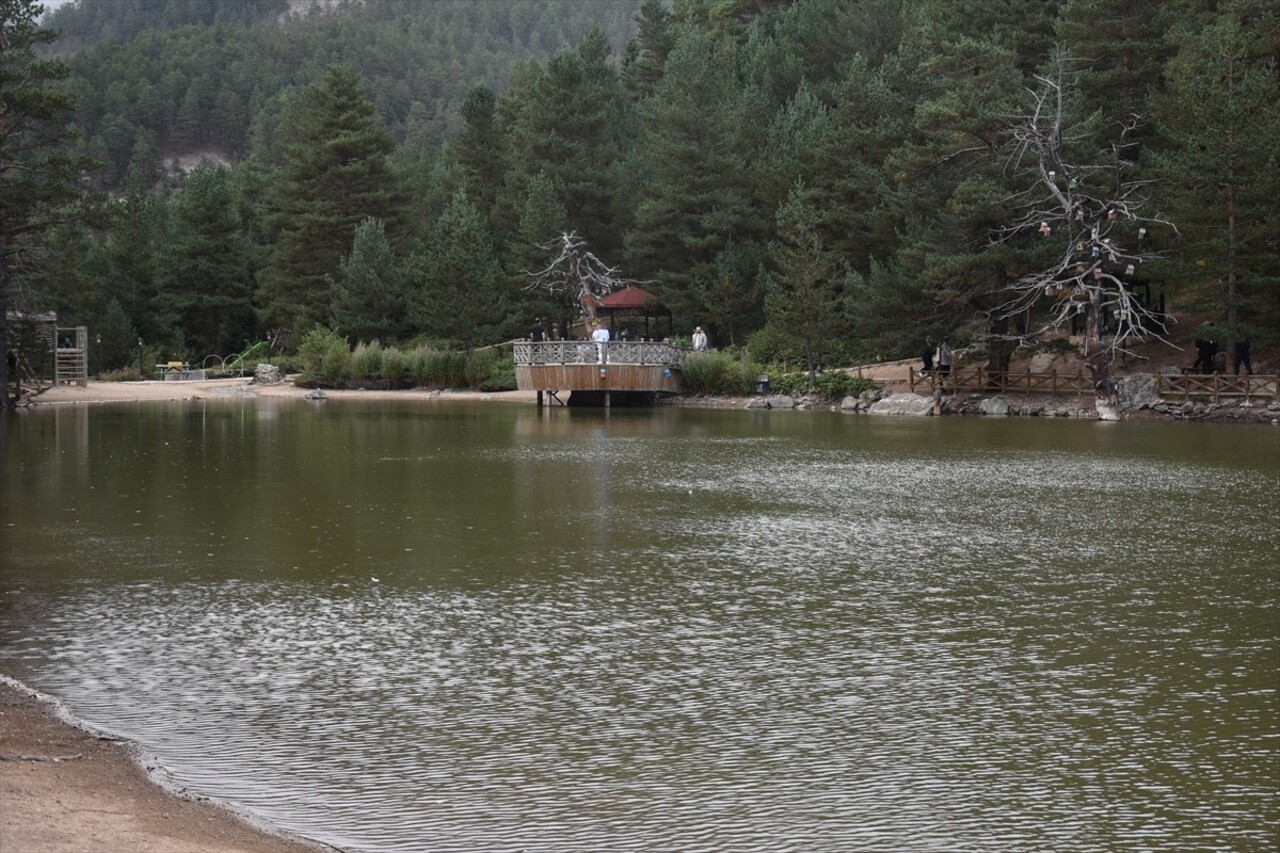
x=601, y=337
x=537, y=334
x=699, y=339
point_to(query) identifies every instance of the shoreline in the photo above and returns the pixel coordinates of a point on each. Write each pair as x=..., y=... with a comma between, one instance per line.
x=890, y=375
x=66, y=787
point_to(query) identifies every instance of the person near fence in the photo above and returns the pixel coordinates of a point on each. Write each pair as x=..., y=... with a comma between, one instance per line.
x=1206, y=353
x=943, y=358
x=699, y=339
x=926, y=357
x=537, y=334
x=1242, y=357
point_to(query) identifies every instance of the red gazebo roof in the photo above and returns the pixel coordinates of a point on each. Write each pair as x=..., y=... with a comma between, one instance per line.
x=629, y=297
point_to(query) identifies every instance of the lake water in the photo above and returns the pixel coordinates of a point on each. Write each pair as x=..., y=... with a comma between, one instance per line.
x=447, y=626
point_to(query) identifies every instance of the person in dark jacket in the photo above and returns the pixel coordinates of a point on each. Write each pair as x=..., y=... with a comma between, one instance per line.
x=1242, y=357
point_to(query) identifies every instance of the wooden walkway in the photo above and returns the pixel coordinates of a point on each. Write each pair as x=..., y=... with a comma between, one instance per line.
x=640, y=367
x=1212, y=387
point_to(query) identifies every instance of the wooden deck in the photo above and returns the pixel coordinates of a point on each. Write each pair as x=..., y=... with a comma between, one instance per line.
x=633, y=367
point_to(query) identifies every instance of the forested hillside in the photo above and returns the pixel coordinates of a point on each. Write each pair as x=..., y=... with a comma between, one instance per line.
x=822, y=177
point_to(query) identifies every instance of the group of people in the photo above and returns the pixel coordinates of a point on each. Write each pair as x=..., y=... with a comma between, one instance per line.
x=600, y=335
x=1207, y=356
x=936, y=357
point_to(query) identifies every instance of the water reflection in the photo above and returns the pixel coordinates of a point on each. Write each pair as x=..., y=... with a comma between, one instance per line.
x=455, y=627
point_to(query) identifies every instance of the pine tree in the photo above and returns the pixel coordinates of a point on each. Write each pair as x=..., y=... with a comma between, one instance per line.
x=369, y=296
x=1219, y=175
x=206, y=284
x=335, y=175
x=38, y=174
x=460, y=292
x=808, y=287
x=480, y=149
x=137, y=226
x=693, y=147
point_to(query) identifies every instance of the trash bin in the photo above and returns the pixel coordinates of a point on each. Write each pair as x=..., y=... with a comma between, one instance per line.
x=762, y=383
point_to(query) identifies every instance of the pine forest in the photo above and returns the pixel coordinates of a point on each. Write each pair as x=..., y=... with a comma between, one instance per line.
x=819, y=181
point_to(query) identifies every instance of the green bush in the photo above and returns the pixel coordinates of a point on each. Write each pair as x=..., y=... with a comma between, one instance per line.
x=395, y=368
x=479, y=364
x=502, y=375
x=771, y=345
x=833, y=384
x=719, y=373
x=325, y=357
x=366, y=361
x=437, y=368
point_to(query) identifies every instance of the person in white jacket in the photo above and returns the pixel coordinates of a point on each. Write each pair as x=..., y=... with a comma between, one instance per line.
x=699, y=339
x=601, y=337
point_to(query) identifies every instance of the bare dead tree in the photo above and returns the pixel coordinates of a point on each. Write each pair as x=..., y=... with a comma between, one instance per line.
x=575, y=274
x=1093, y=213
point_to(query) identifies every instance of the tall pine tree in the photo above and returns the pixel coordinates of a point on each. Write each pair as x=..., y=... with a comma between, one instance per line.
x=335, y=175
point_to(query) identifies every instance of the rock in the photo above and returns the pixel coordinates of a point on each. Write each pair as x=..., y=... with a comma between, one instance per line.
x=850, y=404
x=1106, y=411
x=781, y=401
x=903, y=404
x=757, y=403
x=1171, y=370
x=316, y=394
x=267, y=374
x=1135, y=392
x=993, y=406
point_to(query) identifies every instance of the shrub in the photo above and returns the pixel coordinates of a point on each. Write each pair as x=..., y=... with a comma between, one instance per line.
x=502, y=375
x=719, y=373
x=395, y=368
x=325, y=357
x=771, y=345
x=366, y=362
x=478, y=366
x=438, y=368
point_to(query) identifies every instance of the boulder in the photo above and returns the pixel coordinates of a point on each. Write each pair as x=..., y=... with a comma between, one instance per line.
x=316, y=394
x=993, y=406
x=903, y=404
x=781, y=401
x=1135, y=392
x=267, y=374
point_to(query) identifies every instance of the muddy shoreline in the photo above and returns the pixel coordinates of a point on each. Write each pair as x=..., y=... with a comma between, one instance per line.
x=65, y=787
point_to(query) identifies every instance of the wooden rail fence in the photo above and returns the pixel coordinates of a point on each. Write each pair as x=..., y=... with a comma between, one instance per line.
x=1213, y=386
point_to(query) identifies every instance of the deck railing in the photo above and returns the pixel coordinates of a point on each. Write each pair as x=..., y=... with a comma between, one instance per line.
x=589, y=352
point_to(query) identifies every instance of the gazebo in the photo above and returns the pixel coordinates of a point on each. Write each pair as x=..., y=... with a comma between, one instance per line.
x=624, y=308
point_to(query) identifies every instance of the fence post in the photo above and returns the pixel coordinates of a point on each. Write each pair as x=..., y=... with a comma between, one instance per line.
x=1215, y=387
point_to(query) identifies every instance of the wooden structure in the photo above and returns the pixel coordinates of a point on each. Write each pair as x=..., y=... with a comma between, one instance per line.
x=983, y=381
x=1214, y=386
x=598, y=371
x=624, y=310
x=71, y=356
x=1185, y=386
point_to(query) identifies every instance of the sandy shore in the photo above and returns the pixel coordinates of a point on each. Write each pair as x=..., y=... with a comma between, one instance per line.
x=212, y=389
x=64, y=788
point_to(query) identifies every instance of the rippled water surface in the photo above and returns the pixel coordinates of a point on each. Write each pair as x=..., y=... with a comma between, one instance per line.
x=477, y=627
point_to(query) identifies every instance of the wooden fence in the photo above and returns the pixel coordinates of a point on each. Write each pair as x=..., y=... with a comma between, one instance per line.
x=1208, y=386
x=1215, y=386
x=983, y=381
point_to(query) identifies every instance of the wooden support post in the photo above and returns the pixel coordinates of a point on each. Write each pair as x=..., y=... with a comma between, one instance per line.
x=539, y=399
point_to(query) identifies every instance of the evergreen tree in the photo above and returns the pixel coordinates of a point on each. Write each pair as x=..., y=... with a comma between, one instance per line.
x=137, y=223
x=694, y=151
x=460, y=291
x=480, y=149
x=808, y=287
x=1219, y=175
x=568, y=122
x=369, y=297
x=334, y=176
x=38, y=175
x=206, y=264
x=648, y=49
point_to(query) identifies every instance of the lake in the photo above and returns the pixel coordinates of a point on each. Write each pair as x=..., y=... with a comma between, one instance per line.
x=461, y=626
